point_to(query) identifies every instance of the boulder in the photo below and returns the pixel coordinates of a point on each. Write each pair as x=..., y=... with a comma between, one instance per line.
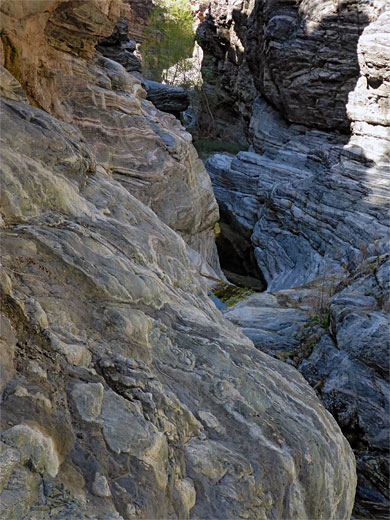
x=121, y=283
x=168, y=98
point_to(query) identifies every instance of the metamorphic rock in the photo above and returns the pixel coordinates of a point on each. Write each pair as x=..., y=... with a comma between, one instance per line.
x=310, y=201
x=126, y=394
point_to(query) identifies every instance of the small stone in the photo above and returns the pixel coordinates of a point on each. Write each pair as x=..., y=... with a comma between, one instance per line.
x=210, y=421
x=186, y=491
x=100, y=486
x=88, y=398
x=5, y=283
x=131, y=510
x=36, y=313
x=75, y=354
x=34, y=446
x=35, y=368
x=9, y=457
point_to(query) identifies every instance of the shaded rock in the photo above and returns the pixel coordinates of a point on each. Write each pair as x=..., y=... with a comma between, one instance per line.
x=228, y=90
x=119, y=47
x=313, y=207
x=19, y=494
x=88, y=398
x=100, y=486
x=303, y=57
x=7, y=346
x=9, y=458
x=168, y=98
x=355, y=390
x=10, y=87
x=272, y=328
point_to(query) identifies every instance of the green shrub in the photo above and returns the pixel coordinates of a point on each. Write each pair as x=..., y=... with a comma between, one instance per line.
x=169, y=40
x=230, y=294
x=206, y=147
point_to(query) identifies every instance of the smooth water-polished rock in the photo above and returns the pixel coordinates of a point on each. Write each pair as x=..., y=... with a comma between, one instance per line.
x=101, y=291
x=273, y=328
x=336, y=332
x=206, y=415
x=315, y=206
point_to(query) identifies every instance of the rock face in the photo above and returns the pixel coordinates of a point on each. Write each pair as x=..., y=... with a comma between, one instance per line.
x=128, y=395
x=124, y=350
x=338, y=337
x=168, y=98
x=288, y=200
x=119, y=47
x=228, y=90
x=314, y=205
x=303, y=57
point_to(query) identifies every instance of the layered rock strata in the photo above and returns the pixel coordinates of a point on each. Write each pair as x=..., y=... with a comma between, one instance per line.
x=314, y=205
x=168, y=98
x=119, y=47
x=228, y=89
x=288, y=200
x=122, y=49
x=128, y=386
x=102, y=99
x=126, y=393
x=304, y=59
x=336, y=332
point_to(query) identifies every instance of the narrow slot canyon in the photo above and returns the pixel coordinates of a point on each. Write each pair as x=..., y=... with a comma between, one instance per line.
x=195, y=273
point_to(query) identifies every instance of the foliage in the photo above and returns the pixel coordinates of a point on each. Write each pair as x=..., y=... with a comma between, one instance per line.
x=231, y=294
x=206, y=147
x=169, y=40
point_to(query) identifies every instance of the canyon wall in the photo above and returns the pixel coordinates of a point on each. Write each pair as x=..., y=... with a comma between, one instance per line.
x=311, y=198
x=125, y=392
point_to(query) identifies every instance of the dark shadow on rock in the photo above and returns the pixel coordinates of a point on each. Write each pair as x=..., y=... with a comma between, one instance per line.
x=120, y=47
x=306, y=65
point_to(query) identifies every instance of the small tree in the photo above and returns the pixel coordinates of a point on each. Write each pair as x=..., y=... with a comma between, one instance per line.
x=169, y=40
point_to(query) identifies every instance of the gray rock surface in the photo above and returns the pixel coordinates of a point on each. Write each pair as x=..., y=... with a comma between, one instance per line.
x=120, y=47
x=288, y=199
x=340, y=343
x=168, y=98
x=101, y=291
x=273, y=328
x=314, y=206
x=303, y=56
x=123, y=286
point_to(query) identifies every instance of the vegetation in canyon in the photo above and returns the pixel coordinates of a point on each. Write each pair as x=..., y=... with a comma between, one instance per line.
x=169, y=40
